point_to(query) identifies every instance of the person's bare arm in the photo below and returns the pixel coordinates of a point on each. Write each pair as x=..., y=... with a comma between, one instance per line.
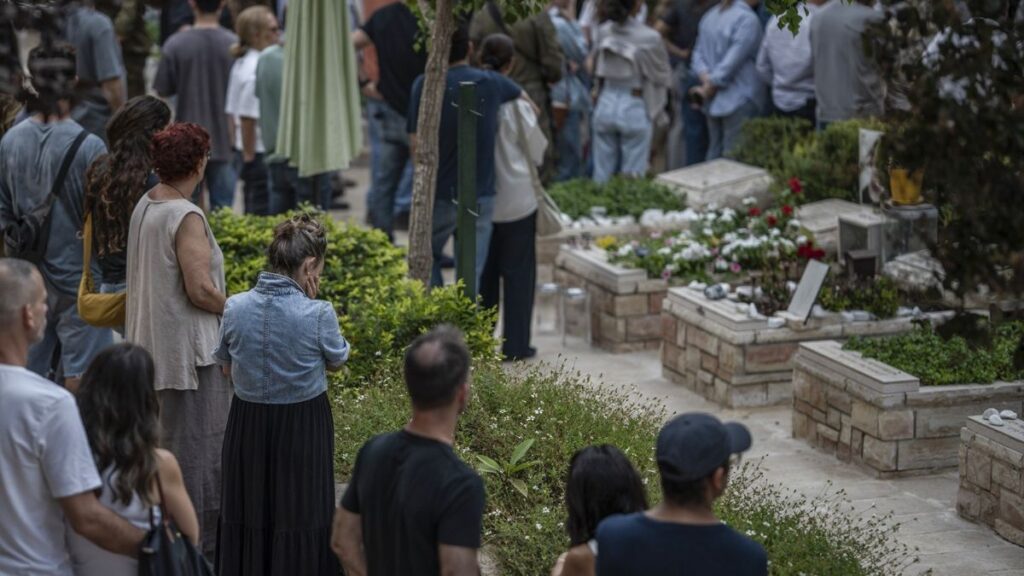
x=347, y=542
x=248, y=139
x=458, y=561
x=361, y=39
x=100, y=525
x=674, y=50
x=113, y=91
x=194, y=256
x=579, y=562
x=176, y=500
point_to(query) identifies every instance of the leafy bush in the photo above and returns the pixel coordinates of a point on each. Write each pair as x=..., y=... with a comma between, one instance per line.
x=561, y=412
x=826, y=162
x=936, y=361
x=764, y=141
x=880, y=296
x=379, y=308
x=619, y=196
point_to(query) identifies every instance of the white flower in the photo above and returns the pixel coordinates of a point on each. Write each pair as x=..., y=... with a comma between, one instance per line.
x=707, y=231
x=749, y=201
x=794, y=223
x=665, y=251
x=539, y=527
x=801, y=240
x=547, y=510
x=625, y=250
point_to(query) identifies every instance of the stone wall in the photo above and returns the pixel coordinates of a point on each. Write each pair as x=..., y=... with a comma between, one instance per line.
x=870, y=413
x=712, y=348
x=625, y=306
x=992, y=477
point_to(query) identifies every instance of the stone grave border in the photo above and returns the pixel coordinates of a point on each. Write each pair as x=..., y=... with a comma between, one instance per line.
x=736, y=361
x=870, y=413
x=992, y=477
x=625, y=306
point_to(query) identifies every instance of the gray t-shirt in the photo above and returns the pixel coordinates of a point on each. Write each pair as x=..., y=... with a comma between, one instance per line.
x=195, y=66
x=99, y=59
x=847, y=84
x=30, y=157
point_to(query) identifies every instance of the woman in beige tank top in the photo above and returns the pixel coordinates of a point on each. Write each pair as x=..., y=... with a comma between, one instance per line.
x=175, y=300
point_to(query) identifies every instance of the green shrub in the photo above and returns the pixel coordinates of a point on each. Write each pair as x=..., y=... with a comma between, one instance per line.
x=763, y=142
x=379, y=308
x=828, y=165
x=936, y=361
x=562, y=413
x=880, y=296
x=619, y=196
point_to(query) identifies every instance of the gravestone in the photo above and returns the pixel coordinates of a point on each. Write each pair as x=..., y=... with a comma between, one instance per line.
x=821, y=219
x=807, y=290
x=722, y=182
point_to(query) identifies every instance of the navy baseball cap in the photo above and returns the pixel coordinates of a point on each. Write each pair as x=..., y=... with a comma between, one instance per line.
x=691, y=446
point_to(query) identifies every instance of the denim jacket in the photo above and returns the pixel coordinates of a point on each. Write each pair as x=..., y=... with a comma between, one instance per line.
x=279, y=342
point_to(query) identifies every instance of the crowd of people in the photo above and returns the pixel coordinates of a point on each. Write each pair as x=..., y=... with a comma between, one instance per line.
x=204, y=414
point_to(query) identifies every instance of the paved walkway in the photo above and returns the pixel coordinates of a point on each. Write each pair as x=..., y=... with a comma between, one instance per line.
x=924, y=506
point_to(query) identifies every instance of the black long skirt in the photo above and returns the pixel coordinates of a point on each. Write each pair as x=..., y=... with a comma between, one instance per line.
x=278, y=490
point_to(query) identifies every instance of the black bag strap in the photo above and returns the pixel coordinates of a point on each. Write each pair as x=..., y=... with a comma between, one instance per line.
x=58, y=184
x=495, y=13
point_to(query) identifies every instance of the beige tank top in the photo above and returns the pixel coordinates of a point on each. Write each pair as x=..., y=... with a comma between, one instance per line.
x=159, y=316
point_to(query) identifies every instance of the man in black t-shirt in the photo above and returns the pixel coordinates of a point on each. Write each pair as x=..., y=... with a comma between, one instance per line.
x=682, y=534
x=412, y=506
x=393, y=31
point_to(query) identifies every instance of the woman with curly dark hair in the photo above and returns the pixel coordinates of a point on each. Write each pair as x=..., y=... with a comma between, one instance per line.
x=117, y=180
x=120, y=413
x=175, y=299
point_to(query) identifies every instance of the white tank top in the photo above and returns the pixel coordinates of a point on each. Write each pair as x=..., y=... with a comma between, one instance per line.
x=89, y=559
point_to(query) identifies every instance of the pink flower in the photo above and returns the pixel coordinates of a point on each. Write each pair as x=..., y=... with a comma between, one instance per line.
x=735, y=267
x=656, y=234
x=666, y=274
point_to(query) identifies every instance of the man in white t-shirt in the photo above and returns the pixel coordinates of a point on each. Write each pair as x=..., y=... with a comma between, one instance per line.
x=47, y=472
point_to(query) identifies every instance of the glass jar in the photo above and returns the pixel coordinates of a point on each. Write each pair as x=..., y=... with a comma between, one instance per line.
x=575, y=317
x=547, y=312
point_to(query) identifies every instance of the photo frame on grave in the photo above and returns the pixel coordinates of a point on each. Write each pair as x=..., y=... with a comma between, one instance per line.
x=806, y=293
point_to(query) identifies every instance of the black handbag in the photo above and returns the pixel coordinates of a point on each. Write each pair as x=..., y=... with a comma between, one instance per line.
x=165, y=551
x=29, y=234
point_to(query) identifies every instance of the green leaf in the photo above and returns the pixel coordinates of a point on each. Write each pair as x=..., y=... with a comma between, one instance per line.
x=521, y=487
x=488, y=465
x=524, y=466
x=521, y=451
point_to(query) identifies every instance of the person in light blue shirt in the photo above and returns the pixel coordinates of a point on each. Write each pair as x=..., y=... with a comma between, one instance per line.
x=731, y=91
x=278, y=343
x=570, y=96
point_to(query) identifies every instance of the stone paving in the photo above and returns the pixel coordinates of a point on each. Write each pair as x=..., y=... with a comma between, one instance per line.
x=924, y=505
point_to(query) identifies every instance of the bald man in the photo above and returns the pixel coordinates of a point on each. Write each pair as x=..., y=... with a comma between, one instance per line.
x=47, y=472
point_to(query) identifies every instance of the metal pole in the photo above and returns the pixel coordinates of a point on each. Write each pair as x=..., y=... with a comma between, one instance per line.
x=465, y=227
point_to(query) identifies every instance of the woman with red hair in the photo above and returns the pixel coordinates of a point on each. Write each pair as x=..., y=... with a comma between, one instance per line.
x=175, y=300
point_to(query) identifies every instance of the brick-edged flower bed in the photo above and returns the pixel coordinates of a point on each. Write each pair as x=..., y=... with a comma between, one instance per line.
x=625, y=306
x=726, y=356
x=868, y=412
x=992, y=476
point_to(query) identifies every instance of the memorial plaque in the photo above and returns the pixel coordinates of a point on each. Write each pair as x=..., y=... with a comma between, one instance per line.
x=807, y=290
x=822, y=220
x=722, y=182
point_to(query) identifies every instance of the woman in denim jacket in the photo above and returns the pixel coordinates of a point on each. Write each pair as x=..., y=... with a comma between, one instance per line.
x=278, y=343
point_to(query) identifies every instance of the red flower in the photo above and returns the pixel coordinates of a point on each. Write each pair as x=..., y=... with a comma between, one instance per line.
x=787, y=210
x=795, y=186
x=809, y=252
x=771, y=220
x=754, y=212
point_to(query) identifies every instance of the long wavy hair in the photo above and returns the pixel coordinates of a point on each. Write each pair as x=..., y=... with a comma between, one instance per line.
x=602, y=482
x=116, y=181
x=120, y=412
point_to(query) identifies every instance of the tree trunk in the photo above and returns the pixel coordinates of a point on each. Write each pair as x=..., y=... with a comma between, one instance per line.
x=424, y=187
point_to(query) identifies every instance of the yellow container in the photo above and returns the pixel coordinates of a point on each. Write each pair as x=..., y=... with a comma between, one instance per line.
x=904, y=186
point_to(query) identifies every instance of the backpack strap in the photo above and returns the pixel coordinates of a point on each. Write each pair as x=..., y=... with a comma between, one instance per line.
x=58, y=183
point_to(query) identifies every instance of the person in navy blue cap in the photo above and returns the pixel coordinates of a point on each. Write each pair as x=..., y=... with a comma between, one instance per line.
x=681, y=535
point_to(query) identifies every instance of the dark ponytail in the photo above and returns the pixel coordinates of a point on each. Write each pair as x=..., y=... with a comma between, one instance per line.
x=496, y=52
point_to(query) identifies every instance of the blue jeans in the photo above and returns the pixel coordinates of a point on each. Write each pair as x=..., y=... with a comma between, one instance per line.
x=221, y=178
x=288, y=190
x=79, y=342
x=570, y=147
x=389, y=163
x=695, y=126
x=622, y=134
x=445, y=219
x=724, y=132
